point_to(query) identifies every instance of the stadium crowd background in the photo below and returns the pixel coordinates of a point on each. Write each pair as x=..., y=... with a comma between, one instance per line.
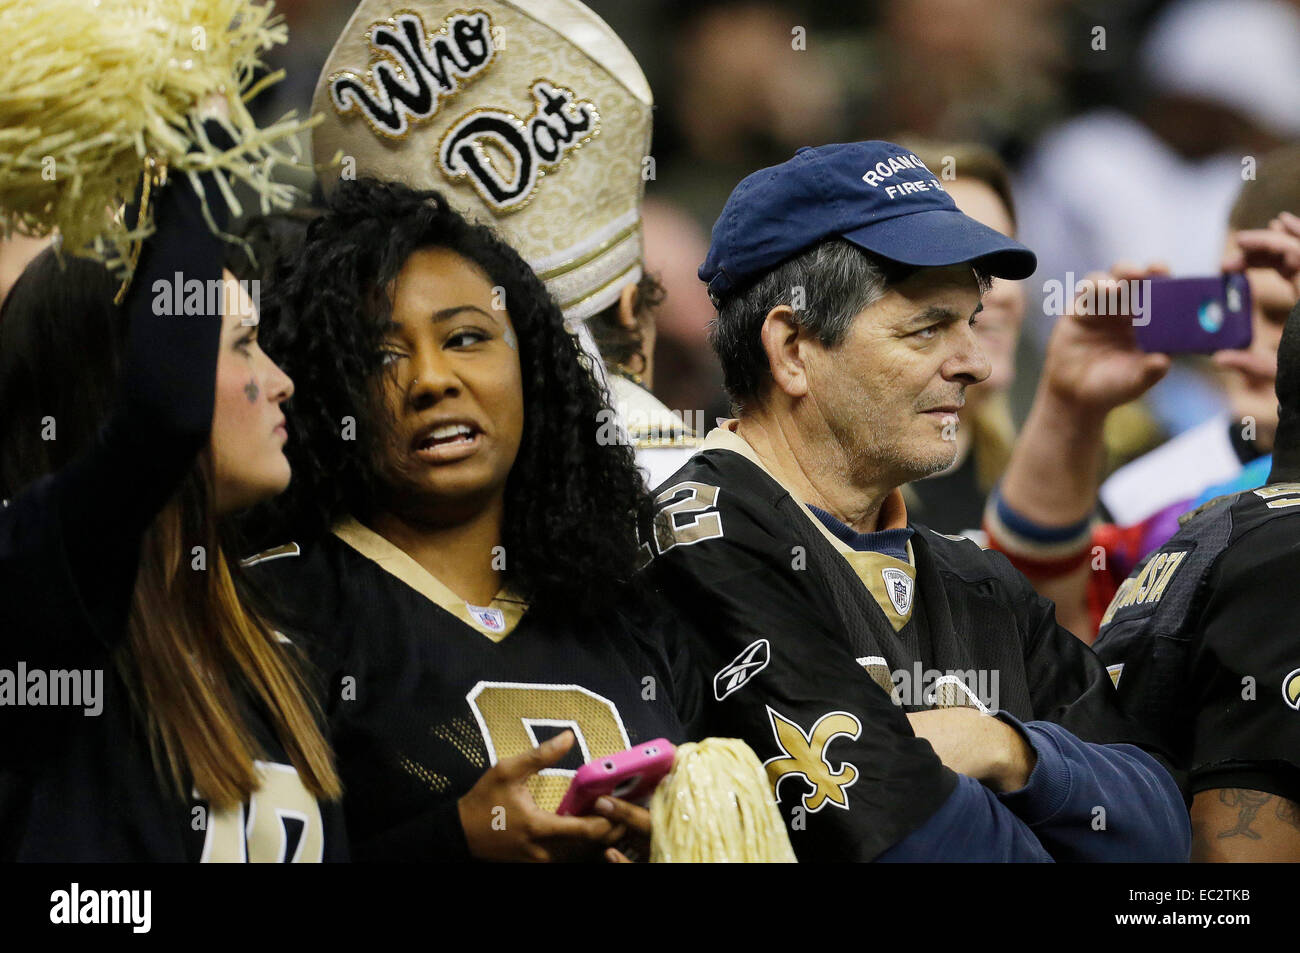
x=1124, y=123
x=1188, y=87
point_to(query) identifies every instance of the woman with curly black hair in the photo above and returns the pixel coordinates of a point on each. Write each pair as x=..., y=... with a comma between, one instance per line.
x=472, y=518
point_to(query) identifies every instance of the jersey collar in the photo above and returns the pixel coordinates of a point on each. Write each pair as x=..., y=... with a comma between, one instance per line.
x=893, y=511
x=891, y=581
x=496, y=620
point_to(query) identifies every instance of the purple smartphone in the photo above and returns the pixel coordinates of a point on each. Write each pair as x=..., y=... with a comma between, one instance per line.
x=1196, y=315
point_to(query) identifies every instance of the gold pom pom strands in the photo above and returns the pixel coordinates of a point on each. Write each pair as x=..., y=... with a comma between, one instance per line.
x=93, y=90
x=716, y=806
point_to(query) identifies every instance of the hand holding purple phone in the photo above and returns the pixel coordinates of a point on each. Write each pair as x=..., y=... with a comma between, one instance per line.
x=1193, y=315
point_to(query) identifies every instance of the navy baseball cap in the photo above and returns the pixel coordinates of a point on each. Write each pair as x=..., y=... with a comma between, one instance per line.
x=876, y=195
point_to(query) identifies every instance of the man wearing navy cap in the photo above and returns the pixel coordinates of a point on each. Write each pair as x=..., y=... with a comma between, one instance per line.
x=911, y=695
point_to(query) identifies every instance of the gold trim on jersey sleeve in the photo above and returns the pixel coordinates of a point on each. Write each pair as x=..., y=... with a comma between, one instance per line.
x=279, y=552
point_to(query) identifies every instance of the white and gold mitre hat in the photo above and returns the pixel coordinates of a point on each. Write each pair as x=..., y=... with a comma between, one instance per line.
x=530, y=116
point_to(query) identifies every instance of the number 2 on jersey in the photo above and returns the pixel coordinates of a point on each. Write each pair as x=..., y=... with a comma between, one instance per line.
x=690, y=516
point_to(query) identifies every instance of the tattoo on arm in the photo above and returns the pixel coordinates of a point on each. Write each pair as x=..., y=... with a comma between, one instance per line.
x=1288, y=812
x=1248, y=804
x=1239, y=824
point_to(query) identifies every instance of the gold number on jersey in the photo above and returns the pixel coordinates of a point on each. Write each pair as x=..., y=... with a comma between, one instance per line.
x=1280, y=495
x=685, y=521
x=508, y=712
x=256, y=833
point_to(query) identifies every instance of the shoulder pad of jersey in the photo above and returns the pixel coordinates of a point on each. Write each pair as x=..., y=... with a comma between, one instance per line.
x=1208, y=505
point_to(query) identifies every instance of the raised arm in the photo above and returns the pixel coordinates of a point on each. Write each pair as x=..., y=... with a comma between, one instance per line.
x=69, y=542
x=1040, y=515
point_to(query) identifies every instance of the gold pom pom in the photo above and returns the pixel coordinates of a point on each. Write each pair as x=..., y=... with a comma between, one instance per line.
x=91, y=89
x=716, y=806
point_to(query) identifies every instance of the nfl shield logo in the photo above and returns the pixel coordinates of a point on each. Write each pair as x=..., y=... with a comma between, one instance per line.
x=488, y=617
x=899, y=586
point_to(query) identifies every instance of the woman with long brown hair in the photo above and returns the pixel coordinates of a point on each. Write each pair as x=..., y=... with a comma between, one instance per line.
x=147, y=710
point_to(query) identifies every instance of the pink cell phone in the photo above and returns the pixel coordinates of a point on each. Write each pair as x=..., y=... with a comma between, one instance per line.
x=631, y=775
x=1196, y=315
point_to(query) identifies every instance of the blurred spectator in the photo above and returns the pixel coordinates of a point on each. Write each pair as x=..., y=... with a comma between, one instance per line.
x=1217, y=450
x=747, y=88
x=963, y=69
x=751, y=82
x=1042, y=514
x=1221, y=83
x=688, y=377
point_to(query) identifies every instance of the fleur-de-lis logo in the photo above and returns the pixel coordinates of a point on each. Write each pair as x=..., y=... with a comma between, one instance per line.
x=804, y=754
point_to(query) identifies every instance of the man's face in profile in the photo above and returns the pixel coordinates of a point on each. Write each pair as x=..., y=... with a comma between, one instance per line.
x=890, y=394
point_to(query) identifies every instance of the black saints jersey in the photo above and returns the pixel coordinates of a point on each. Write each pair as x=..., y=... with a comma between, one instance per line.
x=429, y=691
x=77, y=780
x=815, y=652
x=1201, y=643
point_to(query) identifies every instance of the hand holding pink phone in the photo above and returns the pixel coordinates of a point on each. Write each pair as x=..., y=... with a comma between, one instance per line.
x=631, y=775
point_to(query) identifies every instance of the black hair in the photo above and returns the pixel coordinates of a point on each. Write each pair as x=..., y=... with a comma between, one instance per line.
x=570, y=500
x=268, y=241
x=616, y=343
x=61, y=340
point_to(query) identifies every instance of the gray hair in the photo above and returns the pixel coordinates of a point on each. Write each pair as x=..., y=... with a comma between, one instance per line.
x=826, y=286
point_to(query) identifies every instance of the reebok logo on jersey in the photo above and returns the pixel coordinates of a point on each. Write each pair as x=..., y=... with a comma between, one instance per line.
x=899, y=586
x=741, y=669
x=1291, y=689
x=487, y=617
